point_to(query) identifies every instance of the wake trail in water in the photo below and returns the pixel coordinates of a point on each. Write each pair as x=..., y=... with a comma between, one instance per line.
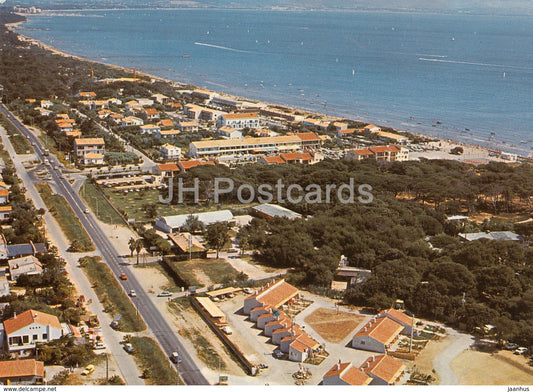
x=476, y=64
x=222, y=47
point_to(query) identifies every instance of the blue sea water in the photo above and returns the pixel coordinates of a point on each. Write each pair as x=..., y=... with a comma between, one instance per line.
x=471, y=73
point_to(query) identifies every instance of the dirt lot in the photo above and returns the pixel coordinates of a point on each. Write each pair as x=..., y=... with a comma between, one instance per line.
x=424, y=361
x=503, y=368
x=333, y=326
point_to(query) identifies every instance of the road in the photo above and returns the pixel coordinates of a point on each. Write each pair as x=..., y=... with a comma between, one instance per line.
x=441, y=363
x=162, y=331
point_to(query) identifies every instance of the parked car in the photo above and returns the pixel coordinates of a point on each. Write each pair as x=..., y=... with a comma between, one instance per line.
x=247, y=290
x=511, y=346
x=215, y=299
x=231, y=295
x=128, y=347
x=123, y=276
x=165, y=294
x=227, y=330
x=88, y=370
x=133, y=293
x=99, y=346
x=520, y=350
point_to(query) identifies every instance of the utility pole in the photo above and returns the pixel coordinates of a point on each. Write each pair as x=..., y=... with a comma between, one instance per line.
x=412, y=331
x=106, y=368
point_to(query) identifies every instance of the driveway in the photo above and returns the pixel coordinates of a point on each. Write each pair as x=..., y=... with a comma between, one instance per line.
x=460, y=343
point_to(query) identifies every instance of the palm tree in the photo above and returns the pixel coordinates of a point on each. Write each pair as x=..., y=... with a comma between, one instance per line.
x=138, y=247
x=132, y=245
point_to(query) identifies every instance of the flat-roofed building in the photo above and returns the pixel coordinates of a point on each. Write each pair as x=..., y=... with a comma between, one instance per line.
x=345, y=374
x=247, y=145
x=384, y=369
x=239, y=120
x=229, y=132
x=188, y=126
x=273, y=295
x=377, y=335
x=270, y=211
x=28, y=265
x=170, y=224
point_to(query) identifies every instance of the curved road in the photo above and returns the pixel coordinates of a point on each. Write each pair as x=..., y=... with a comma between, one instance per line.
x=168, y=340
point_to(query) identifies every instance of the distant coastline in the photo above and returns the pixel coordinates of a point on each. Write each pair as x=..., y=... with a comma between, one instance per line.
x=471, y=146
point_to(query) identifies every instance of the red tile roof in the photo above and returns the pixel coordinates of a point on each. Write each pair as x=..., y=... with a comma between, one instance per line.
x=21, y=368
x=276, y=294
x=296, y=156
x=275, y=159
x=150, y=111
x=384, y=367
x=396, y=314
x=236, y=116
x=349, y=374
x=391, y=148
x=185, y=165
x=383, y=330
x=363, y=151
x=308, y=136
x=4, y=192
x=29, y=317
x=168, y=167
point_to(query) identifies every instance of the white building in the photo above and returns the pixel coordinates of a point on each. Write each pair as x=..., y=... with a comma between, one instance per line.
x=345, y=374
x=247, y=145
x=132, y=120
x=239, y=120
x=28, y=265
x=24, y=330
x=168, y=151
x=4, y=286
x=169, y=224
x=377, y=335
x=150, y=129
x=229, y=132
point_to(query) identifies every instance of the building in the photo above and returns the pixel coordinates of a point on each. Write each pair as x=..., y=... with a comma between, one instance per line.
x=302, y=347
x=297, y=157
x=192, y=111
x=145, y=102
x=19, y=250
x=188, y=126
x=247, y=145
x=4, y=286
x=169, y=133
x=400, y=317
x=384, y=369
x=165, y=123
x=95, y=145
x=166, y=169
x=377, y=335
x=310, y=140
x=272, y=160
x=46, y=104
x=150, y=114
x=130, y=121
x=187, y=244
x=168, y=151
x=270, y=211
x=187, y=165
x=273, y=294
x=346, y=277
x=27, y=265
x=150, y=129
x=160, y=98
x=229, y=132
x=93, y=159
x=212, y=310
x=21, y=372
x=170, y=224
x=239, y=120
x=86, y=94
x=346, y=132
x=24, y=330
x=4, y=196
x=173, y=106
x=492, y=235
x=345, y=374
x=389, y=153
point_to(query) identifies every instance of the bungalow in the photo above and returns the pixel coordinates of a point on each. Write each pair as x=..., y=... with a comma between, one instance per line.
x=150, y=129
x=359, y=155
x=280, y=334
x=377, y=335
x=133, y=106
x=272, y=160
x=24, y=330
x=44, y=112
x=150, y=114
x=166, y=169
x=229, y=132
x=104, y=113
x=93, y=159
x=131, y=121
x=187, y=244
x=173, y=106
x=272, y=294
x=65, y=126
x=406, y=321
x=160, y=98
x=5, y=211
x=116, y=118
x=187, y=165
x=297, y=157
x=62, y=116
x=302, y=347
x=384, y=369
x=188, y=126
x=165, y=123
x=168, y=151
x=346, y=132
x=345, y=374
x=372, y=128
x=4, y=196
x=46, y=104
x=310, y=122
x=21, y=372
x=169, y=133
x=264, y=319
x=259, y=311
x=28, y=265
x=282, y=321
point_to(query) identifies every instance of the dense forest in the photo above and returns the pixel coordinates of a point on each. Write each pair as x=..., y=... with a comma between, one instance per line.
x=403, y=236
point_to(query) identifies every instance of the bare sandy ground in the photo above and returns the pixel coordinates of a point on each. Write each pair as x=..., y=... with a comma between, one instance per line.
x=478, y=368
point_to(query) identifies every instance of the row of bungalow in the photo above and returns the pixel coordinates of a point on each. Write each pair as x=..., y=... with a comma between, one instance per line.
x=376, y=370
x=264, y=306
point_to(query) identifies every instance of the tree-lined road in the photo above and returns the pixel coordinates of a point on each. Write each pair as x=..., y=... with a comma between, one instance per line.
x=168, y=340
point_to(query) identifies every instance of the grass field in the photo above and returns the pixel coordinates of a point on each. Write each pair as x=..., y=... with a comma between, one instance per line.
x=99, y=204
x=205, y=352
x=203, y=272
x=150, y=357
x=333, y=326
x=111, y=295
x=70, y=225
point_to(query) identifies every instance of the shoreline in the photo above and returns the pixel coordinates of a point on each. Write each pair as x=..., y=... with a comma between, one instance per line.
x=16, y=26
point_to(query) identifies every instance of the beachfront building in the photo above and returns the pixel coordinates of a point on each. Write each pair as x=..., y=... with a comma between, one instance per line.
x=310, y=140
x=239, y=120
x=389, y=153
x=94, y=145
x=24, y=330
x=247, y=145
x=345, y=374
x=168, y=151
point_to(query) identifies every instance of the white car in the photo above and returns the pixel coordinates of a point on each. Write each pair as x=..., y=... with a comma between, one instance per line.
x=133, y=293
x=521, y=350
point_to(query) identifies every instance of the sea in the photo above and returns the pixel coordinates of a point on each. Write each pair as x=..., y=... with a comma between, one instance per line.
x=460, y=76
